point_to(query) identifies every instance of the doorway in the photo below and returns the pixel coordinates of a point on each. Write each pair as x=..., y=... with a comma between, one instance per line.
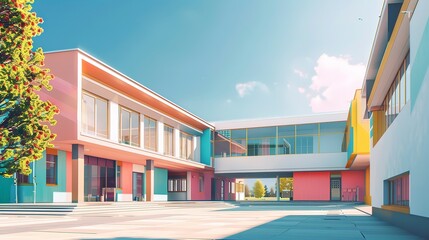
x=335, y=188
x=100, y=179
x=138, y=186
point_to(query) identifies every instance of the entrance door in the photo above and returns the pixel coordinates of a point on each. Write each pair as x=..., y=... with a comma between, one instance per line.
x=137, y=186
x=335, y=189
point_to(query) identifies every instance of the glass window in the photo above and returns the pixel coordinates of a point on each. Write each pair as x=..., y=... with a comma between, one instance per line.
x=306, y=144
x=94, y=115
x=331, y=143
x=150, y=139
x=118, y=177
x=307, y=129
x=398, y=190
x=397, y=97
x=168, y=140
x=222, y=146
x=407, y=79
x=261, y=132
x=286, y=130
x=51, y=169
x=22, y=178
x=286, y=145
x=177, y=185
x=186, y=146
x=261, y=146
x=130, y=129
x=238, y=143
x=332, y=127
x=402, y=87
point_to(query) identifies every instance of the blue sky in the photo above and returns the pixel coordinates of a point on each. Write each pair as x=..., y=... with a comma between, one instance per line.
x=225, y=59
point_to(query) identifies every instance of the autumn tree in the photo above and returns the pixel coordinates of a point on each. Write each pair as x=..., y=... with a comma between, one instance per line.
x=258, y=189
x=24, y=117
x=266, y=191
x=272, y=192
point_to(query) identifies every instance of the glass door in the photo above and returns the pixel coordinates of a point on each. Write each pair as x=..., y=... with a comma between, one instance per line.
x=137, y=186
x=100, y=180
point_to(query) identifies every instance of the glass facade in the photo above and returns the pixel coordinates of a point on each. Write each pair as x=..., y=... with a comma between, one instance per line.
x=280, y=140
x=129, y=127
x=399, y=190
x=94, y=115
x=99, y=175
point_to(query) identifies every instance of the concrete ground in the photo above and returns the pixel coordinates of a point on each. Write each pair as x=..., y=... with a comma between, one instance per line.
x=207, y=220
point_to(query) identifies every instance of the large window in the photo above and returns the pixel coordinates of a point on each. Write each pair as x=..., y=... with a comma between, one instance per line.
x=177, y=185
x=168, y=140
x=22, y=178
x=279, y=140
x=398, y=94
x=150, y=139
x=201, y=183
x=261, y=141
x=129, y=127
x=186, y=146
x=399, y=190
x=94, y=115
x=51, y=169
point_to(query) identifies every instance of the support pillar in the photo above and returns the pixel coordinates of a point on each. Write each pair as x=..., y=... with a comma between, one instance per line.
x=278, y=188
x=188, y=185
x=150, y=173
x=78, y=170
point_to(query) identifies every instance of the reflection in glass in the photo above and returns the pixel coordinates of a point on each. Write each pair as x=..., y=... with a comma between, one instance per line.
x=150, y=134
x=286, y=145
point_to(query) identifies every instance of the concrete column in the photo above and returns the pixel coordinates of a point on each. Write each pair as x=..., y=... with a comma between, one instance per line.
x=150, y=173
x=278, y=189
x=188, y=185
x=78, y=173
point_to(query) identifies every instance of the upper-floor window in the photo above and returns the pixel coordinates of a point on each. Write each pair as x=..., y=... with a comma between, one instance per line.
x=129, y=127
x=398, y=94
x=150, y=139
x=168, y=140
x=51, y=169
x=94, y=115
x=186, y=146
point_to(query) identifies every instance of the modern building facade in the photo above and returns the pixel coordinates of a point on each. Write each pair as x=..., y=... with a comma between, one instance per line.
x=396, y=90
x=116, y=141
x=310, y=149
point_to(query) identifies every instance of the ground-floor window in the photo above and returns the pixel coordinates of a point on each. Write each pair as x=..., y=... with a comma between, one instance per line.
x=51, y=169
x=399, y=190
x=177, y=185
x=201, y=183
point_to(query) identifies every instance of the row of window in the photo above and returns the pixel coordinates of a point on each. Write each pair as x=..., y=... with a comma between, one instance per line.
x=95, y=122
x=293, y=139
x=179, y=184
x=398, y=94
x=398, y=190
x=51, y=171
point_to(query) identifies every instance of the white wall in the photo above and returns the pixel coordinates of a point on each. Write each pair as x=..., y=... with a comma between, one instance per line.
x=293, y=162
x=405, y=146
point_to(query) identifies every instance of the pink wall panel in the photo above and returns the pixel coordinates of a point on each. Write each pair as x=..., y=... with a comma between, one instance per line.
x=64, y=93
x=195, y=186
x=313, y=186
x=350, y=180
x=68, y=171
x=127, y=178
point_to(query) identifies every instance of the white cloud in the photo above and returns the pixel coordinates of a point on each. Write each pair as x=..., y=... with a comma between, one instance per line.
x=246, y=88
x=301, y=90
x=300, y=73
x=333, y=86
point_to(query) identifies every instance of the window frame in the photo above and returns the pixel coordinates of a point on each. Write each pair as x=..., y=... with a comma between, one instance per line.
x=147, y=147
x=55, y=182
x=172, y=142
x=130, y=111
x=95, y=134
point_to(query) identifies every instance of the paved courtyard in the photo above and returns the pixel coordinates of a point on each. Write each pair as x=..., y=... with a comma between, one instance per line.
x=206, y=220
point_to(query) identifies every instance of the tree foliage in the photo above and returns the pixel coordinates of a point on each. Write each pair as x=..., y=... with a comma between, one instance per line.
x=266, y=191
x=286, y=184
x=272, y=193
x=24, y=117
x=258, y=189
